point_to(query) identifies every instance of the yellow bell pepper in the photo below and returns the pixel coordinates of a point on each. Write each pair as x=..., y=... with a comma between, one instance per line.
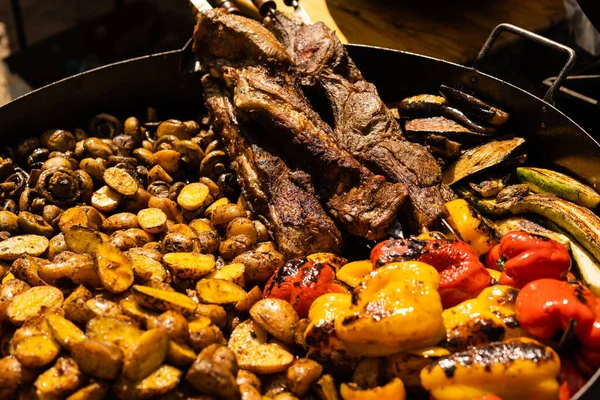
x=469, y=225
x=320, y=333
x=489, y=317
x=328, y=258
x=513, y=370
x=352, y=273
x=393, y=390
x=395, y=308
x=494, y=274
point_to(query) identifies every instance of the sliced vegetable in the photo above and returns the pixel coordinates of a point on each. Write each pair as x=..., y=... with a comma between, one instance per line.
x=470, y=226
x=521, y=224
x=474, y=107
x=219, y=291
x=545, y=181
x=579, y=221
x=480, y=158
x=444, y=127
x=158, y=299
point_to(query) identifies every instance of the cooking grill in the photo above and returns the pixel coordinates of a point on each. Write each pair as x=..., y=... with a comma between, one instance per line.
x=170, y=81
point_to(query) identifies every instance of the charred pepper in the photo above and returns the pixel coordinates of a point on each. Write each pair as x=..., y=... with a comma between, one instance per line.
x=462, y=275
x=523, y=257
x=547, y=306
x=301, y=280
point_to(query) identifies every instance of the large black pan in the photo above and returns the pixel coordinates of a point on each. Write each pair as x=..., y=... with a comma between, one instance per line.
x=162, y=80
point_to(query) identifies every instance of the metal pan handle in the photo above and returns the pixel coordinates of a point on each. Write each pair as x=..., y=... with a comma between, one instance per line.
x=549, y=96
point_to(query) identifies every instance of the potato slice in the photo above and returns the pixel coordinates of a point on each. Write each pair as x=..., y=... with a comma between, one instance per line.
x=157, y=173
x=302, y=375
x=265, y=359
x=94, y=391
x=193, y=196
x=189, y=265
x=81, y=239
x=8, y=290
x=13, y=373
x=244, y=305
x=59, y=380
x=162, y=300
x=124, y=220
x=200, y=225
x=75, y=306
x=64, y=331
x=75, y=216
x=119, y=180
x=233, y=272
x=152, y=220
x=14, y=247
x=218, y=291
x=180, y=354
x=277, y=316
x=160, y=382
x=37, y=351
x=211, y=208
x=114, y=269
x=103, y=307
x=147, y=354
x=132, y=309
x=106, y=199
x=30, y=302
x=115, y=330
x=146, y=268
x=98, y=359
x=27, y=268
x=246, y=335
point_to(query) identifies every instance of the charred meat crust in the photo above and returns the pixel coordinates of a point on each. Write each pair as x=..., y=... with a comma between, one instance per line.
x=283, y=197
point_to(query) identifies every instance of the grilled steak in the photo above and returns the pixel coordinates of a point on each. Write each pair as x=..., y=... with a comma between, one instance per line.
x=314, y=48
x=363, y=125
x=284, y=198
x=363, y=203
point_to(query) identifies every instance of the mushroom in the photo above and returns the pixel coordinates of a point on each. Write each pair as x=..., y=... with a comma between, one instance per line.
x=228, y=185
x=125, y=144
x=133, y=128
x=175, y=189
x=105, y=125
x=167, y=142
x=26, y=147
x=59, y=185
x=27, y=198
x=58, y=140
x=86, y=185
x=179, y=129
x=214, y=145
x=204, y=137
x=96, y=148
x=37, y=158
x=7, y=167
x=34, y=224
x=14, y=185
x=9, y=205
x=159, y=189
x=191, y=153
x=213, y=164
x=52, y=214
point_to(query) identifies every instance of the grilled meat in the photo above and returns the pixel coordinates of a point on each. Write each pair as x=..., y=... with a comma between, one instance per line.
x=363, y=125
x=369, y=131
x=314, y=48
x=284, y=198
x=363, y=203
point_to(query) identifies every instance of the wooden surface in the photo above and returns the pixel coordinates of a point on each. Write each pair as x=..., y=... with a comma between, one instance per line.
x=451, y=30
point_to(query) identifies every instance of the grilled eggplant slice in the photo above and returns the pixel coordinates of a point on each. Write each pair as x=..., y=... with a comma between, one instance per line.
x=480, y=158
x=444, y=127
x=423, y=104
x=442, y=146
x=474, y=107
x=546, y=181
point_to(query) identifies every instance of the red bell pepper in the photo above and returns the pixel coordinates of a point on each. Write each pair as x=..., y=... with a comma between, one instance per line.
x=588, y=360
x=300, y=281
x=462, y=275
x=570, y=379
x=547, y=306
x=523, y=257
